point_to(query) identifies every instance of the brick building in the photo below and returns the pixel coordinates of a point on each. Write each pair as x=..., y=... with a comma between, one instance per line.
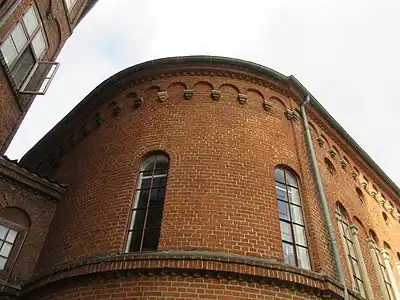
x=199, y=178
x=32, y=33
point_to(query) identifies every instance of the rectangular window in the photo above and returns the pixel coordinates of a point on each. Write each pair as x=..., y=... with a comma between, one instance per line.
x=24, y=46
x=7, y=240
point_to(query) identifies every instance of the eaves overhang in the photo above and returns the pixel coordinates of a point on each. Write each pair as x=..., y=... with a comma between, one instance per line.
x=216, y=61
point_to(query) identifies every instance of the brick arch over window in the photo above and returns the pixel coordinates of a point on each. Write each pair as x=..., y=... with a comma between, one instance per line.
x=148, y=202
x=292, y=225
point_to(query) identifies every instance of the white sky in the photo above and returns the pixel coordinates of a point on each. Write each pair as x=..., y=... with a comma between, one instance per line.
x=346, y=53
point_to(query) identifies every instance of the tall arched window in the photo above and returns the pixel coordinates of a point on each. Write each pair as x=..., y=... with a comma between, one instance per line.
x=382, y=266
x=352, y=260
x=148, y=202
x=294, y=240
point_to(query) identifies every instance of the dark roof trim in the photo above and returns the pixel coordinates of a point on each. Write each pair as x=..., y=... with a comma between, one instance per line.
x=12, y=169
x=218, y=60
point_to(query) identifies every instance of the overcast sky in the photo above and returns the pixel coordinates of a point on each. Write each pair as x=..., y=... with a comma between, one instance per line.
x=346, y=53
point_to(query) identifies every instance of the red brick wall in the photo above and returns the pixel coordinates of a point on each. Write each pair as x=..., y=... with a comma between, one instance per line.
x=220, y=193
x=40, y=210
x=164, y=288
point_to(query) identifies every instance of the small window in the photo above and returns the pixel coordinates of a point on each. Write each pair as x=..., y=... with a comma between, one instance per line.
x=329, y=166
x=147, y=209
x=360, y=195
x=385, y=218
x=293, y=231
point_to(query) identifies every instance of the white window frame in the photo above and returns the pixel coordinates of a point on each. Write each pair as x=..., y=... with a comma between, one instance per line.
x=28, y=43
x=70, y=4
x=47, y=79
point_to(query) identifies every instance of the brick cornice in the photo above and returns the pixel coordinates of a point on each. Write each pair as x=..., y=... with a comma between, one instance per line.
x=194, y=264
x=13, y=171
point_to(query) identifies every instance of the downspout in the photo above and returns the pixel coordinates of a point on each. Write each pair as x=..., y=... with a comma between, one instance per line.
x=321, y=191
x=9, y=11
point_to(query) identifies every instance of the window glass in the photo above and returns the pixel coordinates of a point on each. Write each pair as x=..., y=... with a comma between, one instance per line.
x=147, y=211
x=7, y=239
x=303, y=257
x=23, y=67
x=288, y=254
x=19, y=37
x=300, y=235
x=293, y=233
x=31, y=21
x=286, y=232
x=38, y=44
x=3, y=232
x=9, y=51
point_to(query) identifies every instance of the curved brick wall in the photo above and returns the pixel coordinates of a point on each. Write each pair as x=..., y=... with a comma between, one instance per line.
x=220, y=194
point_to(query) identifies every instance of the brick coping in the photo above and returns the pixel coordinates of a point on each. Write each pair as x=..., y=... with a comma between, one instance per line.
x=218, y=265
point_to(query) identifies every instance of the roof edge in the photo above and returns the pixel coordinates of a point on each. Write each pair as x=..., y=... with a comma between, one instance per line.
x=211, y=60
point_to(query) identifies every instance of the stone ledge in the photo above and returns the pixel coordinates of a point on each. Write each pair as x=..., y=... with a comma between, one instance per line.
x=197, y=264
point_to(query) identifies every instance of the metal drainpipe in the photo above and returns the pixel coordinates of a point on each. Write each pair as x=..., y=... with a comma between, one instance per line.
x=321, y=191
x=9, y=12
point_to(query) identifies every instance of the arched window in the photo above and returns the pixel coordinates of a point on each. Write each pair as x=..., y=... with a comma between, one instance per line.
x=352, y=260
x=14, y=225
x=294, y=240
x=148, y=202
x=382, y=266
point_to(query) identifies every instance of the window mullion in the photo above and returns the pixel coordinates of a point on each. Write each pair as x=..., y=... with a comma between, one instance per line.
x=291, y=222
x=147, y=205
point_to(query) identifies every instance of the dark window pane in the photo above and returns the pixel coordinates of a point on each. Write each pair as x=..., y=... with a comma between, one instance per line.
x=139, y=216
x=148, y=170
x=283, y=208
x=23, y=67
x=154, y=217
x=161, y=167
x=157, y=197
x=159, y=182
x=136, y=239
x=145, y=183
x=151, y=237
x=143, y=198
x=279, y=175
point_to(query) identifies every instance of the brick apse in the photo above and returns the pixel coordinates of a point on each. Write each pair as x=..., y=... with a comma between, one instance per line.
x=190, y=178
